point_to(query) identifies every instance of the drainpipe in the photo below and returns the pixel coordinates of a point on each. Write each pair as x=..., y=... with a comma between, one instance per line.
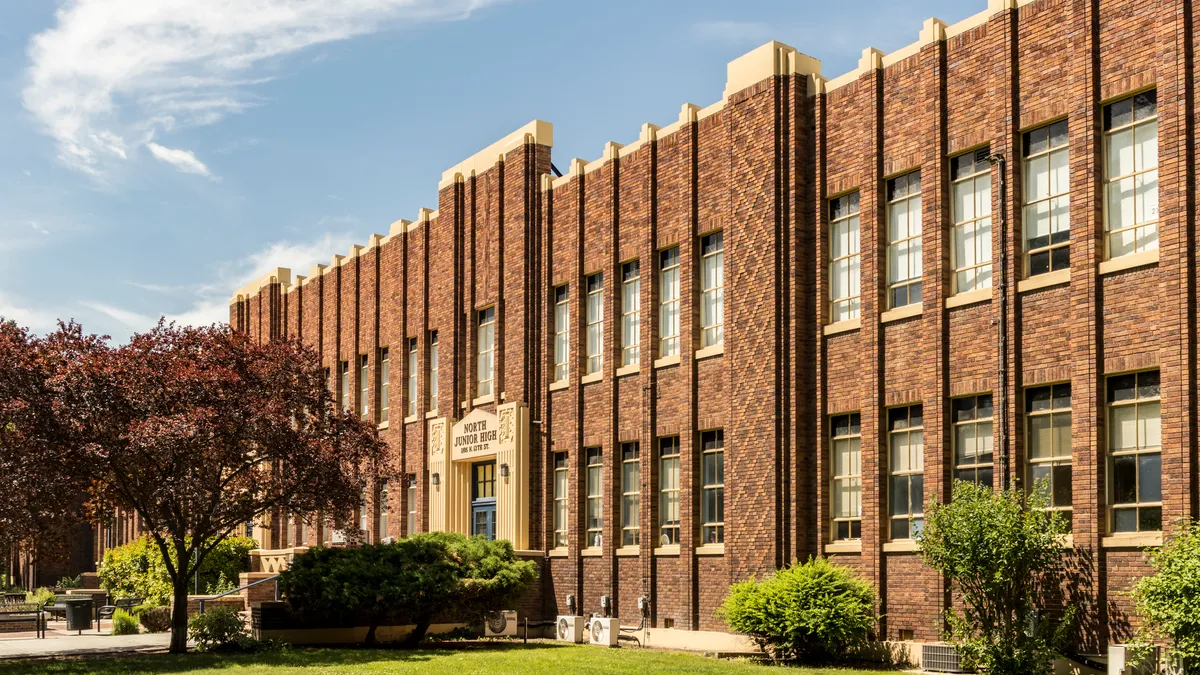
x=997, y=160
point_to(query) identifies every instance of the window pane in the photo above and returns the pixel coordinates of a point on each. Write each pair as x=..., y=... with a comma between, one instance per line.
x=1041, y=439
x=1125, y=480
x=1062, y=434
x=1150, y=478
x=1125, y=520
x=900, y=528
x=1037, y=474
x=1149, y=425
x=1120, y=153
x=917, y=494
x=1150, y=518
x=1062, y=485
x=1122, y=428
x=899, y=495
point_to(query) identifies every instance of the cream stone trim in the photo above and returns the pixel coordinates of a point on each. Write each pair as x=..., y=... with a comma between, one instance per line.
x=382, y=425
x=667, y=361
x=843, y=326
x=592, y=552
x=711, y=549
x=969, y=297
x=612, y=150
x=772, y=58
x=355, y=251
x=557, y=553
x=844, y=547
x=628, y=552
x=1044, y=280
x=970, y=22
x=687, y=115
x=901, y=546
x=712, y=350
x=904, y=312
x=594, y=377
x=280, y=275
x=1132, y=540
x=1130, y=261
x=482, y=400
x=431, y=414
x=711, y=110
x=672, y=550
x=648, y=135
x=932, y=31
x=537, y=131
x=559, y=385
x=628, y=370
x=410, y=419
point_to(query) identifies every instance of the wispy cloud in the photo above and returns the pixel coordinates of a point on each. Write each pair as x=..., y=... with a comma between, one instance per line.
x=183, y=160
x=732, y=32
x=131, y=320
x=37, y=320
x=111, y=74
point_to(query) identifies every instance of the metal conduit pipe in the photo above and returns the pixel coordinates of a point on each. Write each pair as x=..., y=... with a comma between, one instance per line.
x=997, y=159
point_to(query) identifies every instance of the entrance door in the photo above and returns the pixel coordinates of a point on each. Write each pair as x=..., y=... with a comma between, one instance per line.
x=483, y=499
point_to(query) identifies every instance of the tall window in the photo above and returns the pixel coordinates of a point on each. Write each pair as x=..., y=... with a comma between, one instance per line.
x=595, y=323
x=906, y=445
x=1048, y=437
x=843, y=258
x=383, y=508
x=845, y=444
x=486, y=347
x=384, y=375
x=1135, y=452
x=1047, y=188
x=412, y=377
x=289, y=531
x=302, y=532
x=433, y=370
x=971, y=209
x=712, y=494
x=560, y=500
x=904, y=240
x=595, y=499
x=668, y=490
x=631, y=493
x=712, y=289
x=345, y=375
x=362, y=515
x=1131, y=174
x=562, y=332
x=973, y=439
x=668, y=302
x=412, y=504
x=631, y=313
x=364, y=399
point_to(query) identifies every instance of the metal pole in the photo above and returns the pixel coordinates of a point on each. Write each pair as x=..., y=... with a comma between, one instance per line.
x=196, y=570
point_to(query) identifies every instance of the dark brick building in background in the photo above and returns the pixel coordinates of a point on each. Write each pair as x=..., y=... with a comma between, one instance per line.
x=1048, y=329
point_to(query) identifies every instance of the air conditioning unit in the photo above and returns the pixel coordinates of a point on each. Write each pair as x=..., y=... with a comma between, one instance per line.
x=1122, y=662
x=605, y=631
x=388, y=540
x=569, y=629
x=940, y=658
x=501, y=624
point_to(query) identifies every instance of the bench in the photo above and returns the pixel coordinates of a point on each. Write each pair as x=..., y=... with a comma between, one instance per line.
x=107, y=611
x=23, y=615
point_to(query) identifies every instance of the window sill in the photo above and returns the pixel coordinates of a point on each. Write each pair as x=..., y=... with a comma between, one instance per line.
x=667, y=361
x=1132, y=540
x=594, y=377
x=486, y=398
x=431, y=414
x=711, y=549
x=559, y=385
x=382, y=425
x=628, y=552
x=1130, y=261
x=901, y=546
x=969, y=298
x=1044, y=280
x=628, y=370
x=410, y=419
x=592, y=552
x=843, y=326
x=899, y=313
x=1066, y=540
x=710, y=351
x=557, y=553
x=844, y=547
x=672, y=550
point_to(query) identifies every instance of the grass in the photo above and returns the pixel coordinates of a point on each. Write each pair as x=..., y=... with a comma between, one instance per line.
x=547, y=658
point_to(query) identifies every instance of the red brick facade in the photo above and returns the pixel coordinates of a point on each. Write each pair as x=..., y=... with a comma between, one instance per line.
x=761, y=166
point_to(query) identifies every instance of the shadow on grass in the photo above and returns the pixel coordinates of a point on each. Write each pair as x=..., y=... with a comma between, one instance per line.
x=293, y=657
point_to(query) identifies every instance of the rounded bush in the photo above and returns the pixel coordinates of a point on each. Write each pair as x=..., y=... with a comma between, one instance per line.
x=155, y=619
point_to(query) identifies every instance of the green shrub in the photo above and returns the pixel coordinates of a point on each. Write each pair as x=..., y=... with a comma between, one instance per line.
x=221, y=629
x=1169, y=599
x=137, y=569
x=124, y=623
x=40, y=596
x=154, y=619
x=814, y=610
x=68, y=582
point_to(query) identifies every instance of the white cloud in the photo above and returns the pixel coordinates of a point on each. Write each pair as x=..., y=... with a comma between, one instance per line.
x=131, y=320
x=184, y=160
x=37, y=320
x=110, y=74
x=732, y=32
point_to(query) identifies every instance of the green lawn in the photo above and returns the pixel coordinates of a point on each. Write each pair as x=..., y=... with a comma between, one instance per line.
x=535, y=658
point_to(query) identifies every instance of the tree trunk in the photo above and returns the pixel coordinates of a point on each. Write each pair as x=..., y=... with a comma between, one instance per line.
x=179, y=617
x=370, y=639
x=418, y=633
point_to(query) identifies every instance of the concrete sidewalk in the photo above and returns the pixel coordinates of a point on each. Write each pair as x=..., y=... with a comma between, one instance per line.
x=81, y=645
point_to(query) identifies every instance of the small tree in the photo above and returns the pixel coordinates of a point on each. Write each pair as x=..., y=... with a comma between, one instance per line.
x=998, y=549
x=1169, y=599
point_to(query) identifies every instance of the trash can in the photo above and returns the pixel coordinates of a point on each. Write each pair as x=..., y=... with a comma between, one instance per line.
x=79, y=612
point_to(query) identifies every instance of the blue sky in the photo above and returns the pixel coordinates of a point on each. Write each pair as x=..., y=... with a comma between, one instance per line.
x=155, y=155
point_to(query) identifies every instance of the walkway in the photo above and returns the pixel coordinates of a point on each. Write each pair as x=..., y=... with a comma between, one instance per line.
x=59, y=642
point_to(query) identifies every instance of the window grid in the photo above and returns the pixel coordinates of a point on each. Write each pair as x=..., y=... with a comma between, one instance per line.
x=973, y=457
x=562, y=332
x=1047, y=188
x=631, y=493
x=595, y=499
x=906, y=446
x=412, y=377
x=1135, y=452
x=364, y=399
x=362, y=516
x=668, y=486
x=712, y=289
x=412, y=504
x=345, y=374
x=560, y=500
x=904, y=240
x=433, y=370
x=1048, y=444
x=1131, y=175
x=844, y=276
x=971, y=210
x=384, y=376
x=383, y=509
x=595, y=323
x=631, y=313
x=845, y=443
x=486, y=348
x=668, y=302
x=712, y=493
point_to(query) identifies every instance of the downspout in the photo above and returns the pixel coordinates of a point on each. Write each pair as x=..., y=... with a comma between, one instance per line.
x=997, y=159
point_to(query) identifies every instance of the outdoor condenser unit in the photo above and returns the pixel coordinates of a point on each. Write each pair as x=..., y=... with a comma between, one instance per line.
x=569, y=629
x=501, y=624
x=940, y=658
x=605, y=631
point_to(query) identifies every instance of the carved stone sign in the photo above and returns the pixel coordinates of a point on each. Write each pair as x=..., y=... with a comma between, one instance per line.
x=474, y=435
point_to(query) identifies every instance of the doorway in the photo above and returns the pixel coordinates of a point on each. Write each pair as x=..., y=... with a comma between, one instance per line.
x=483, y=499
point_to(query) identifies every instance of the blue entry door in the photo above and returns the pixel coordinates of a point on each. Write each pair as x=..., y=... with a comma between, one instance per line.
x=483, y=499
x=483, y=520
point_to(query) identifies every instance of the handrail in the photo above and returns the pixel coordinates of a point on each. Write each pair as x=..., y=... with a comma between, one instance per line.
x=239, y=590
